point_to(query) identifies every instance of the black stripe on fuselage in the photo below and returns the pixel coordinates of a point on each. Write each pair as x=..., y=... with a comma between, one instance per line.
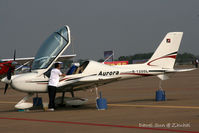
x=157, y=71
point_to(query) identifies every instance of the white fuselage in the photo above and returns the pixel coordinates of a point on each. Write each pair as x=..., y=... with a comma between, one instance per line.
x=34, y=82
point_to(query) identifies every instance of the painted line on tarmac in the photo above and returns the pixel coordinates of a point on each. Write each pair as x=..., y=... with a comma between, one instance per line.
x=154, y=106
x=96, y=124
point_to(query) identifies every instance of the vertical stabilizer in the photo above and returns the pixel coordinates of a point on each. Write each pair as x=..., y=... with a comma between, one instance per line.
x=165, y=54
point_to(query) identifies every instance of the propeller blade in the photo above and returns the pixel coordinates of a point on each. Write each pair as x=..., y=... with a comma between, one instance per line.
x=14, y=54
x=6, y=87
x=9, y=73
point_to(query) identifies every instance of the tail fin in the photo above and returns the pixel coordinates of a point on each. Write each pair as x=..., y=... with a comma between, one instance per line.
x=165, y=54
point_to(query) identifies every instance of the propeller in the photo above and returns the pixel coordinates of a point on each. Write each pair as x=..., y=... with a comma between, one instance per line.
x=14, y=58
x=9, y=73
x=14, y=55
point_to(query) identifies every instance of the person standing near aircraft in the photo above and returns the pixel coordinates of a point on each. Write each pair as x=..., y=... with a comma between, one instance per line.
x=196, y=63
x=52, y=85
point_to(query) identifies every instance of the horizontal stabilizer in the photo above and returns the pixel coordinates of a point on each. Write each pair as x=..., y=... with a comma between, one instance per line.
x=181, y=70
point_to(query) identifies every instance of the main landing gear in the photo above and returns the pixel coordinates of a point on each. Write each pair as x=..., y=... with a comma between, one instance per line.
x=71, y=101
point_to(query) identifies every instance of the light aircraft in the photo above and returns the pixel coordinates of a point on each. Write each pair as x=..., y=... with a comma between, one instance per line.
x=90, y=74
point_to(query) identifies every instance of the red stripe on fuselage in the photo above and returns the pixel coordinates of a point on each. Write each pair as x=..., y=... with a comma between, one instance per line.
x=170, y=56
x=63, y=79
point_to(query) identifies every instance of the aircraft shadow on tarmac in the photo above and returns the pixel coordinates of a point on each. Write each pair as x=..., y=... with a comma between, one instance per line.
x=8, y=111
x=82, y=107
x=91, y=106
x=58, y=108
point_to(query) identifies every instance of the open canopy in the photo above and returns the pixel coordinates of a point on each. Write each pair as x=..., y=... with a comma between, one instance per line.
x=51, y=48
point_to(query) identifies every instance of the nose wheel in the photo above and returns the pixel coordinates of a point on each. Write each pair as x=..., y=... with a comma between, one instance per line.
x=23, y=104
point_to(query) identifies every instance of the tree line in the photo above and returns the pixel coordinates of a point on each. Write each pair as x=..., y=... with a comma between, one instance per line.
x=184, y=58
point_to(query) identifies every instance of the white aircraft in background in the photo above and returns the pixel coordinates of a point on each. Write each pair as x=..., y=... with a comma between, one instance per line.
x=27, y=60
x=90, y=74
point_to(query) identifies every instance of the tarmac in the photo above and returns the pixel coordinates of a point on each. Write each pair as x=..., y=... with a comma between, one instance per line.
x=131, y=108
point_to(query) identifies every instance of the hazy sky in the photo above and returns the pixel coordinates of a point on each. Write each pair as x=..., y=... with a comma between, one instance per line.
x=125, y=26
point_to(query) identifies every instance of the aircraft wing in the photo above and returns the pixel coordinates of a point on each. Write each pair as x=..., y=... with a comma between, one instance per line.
x=28, y=59
x=66, y=57
x=86, y=82
x=20, y=59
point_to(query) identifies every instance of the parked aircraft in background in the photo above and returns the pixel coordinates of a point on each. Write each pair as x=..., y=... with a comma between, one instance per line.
x=14, y=64
x=90, y=74
x=4, y=67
